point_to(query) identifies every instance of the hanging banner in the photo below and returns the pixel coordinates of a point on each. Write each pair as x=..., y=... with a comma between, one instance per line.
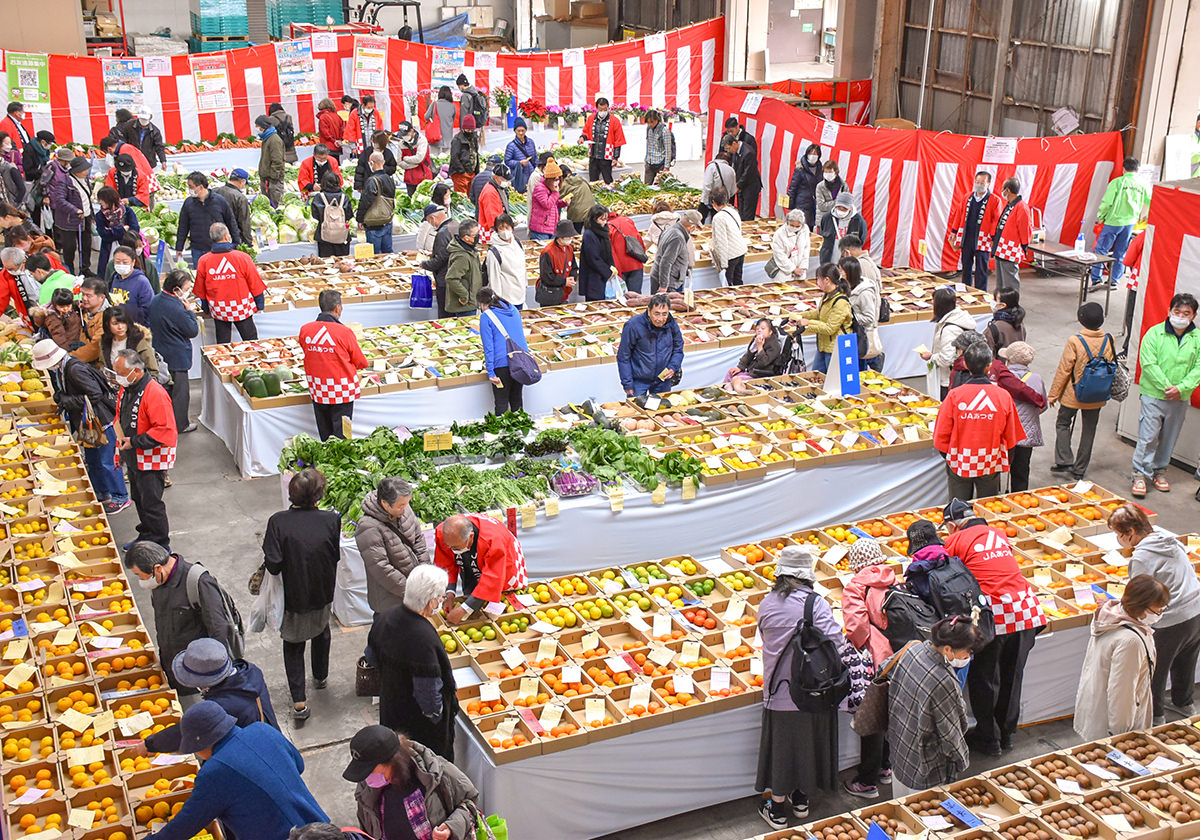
x=295, y=63
x=370, y=63
x=210, y=74
x=29, y=80
x=445, y=67
x=123, y=84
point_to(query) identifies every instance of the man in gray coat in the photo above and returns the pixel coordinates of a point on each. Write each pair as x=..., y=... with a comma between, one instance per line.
x=234, y=192
x=674, y=256
x=390, y=541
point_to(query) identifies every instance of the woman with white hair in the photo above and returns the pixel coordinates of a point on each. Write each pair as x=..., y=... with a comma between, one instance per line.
x=791, y=249
x=417, y=692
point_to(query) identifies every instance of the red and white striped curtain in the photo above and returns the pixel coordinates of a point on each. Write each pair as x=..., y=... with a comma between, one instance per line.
x=627, y=72
x=905, y=182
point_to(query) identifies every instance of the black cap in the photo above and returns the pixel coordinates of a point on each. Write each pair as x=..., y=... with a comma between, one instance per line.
x=501, y=170
x=957, y=510
x=430, y=209
x=920, y=534
x=370, y=747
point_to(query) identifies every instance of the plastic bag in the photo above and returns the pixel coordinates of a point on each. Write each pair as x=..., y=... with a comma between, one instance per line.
x=267, y=610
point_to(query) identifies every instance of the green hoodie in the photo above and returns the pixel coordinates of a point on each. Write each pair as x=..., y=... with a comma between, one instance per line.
x=1168, y=359
x=58, y=279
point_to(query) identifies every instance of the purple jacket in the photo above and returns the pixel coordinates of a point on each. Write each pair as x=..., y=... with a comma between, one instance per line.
x=777, y=620
x=65, y=200
x=543, y=209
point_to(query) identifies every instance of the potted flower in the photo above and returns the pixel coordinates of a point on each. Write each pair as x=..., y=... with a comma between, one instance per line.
x=412, y=102
x=534, y=112
x=505, y=99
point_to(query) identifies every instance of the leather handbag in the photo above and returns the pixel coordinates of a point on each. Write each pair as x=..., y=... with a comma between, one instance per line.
x=871, y=717
x=366, y=679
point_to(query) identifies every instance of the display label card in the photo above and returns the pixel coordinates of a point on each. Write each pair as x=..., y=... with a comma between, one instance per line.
x=76, y=720
x=489, y=692
x=1117, y=821
x=756, y=666
x=751, y=103
x=543, y=627
x=690, y=651
x=16, y=649
x=1074, y=570
x=551, y=714
x=103, y=723
x=1118, y=757
x=661, y=656
x=19, y=674
x=662, y=624
x=731, y=639
x=513, y=657
x=1082, y=487
x=735, y=610
x=33, y=795
x=639, y=694
x=1161, y=762
x=1101, y=772
x=572, y=674
x=528, y=687
x=719, y=679
x=593, y=710
x=84, y=756
x=936, y=823
x=683, y=683
x=617, y=663
x=1084, y=595
x=546, y=649
x=960, y=812
x=590, y=641
x=506, y=728
x=1069, y=786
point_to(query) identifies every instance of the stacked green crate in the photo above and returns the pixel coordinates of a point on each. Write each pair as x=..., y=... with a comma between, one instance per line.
x=219, y=19
x=282, y=13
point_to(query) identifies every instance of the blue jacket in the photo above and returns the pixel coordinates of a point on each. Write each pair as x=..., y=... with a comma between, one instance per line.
x=173, y=326
x=134, y=291
x=252, y=783
x=113, y=234
x=647, y=350
x=514, y=153
x=495, y=348
x=238, y=694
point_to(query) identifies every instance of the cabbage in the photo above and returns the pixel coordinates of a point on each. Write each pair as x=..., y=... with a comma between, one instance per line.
x=287, y=234
x=150, y=234
x=292, y=215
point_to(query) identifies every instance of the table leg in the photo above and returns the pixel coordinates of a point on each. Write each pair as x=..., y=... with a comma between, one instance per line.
x=1107, y=294
x=1083, y=280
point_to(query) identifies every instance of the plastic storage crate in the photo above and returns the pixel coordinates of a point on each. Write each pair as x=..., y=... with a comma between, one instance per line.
x=219, y=19
x=282, y=13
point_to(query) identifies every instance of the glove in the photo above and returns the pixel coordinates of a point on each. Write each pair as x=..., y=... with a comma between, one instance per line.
x=260, y=302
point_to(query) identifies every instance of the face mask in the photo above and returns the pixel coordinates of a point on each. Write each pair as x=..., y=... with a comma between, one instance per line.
x=603, y=113
x=127, y=380
x=995, y=305
x=980, y=190
x=506, y=235
x=1151, y=618
x=150, y=582
x=377, y=780
x=368, y=111
x=1179, y=323
x=829, y=176
x=813, y=158
x=841, y=213
x=505, y=185
x=143, y=123
x=123, y=270
x=5, y=149
x=960, y=663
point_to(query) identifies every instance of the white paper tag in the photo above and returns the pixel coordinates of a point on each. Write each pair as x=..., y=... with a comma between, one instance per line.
x=683, y=683
x=593, y=710
x=512, y=657
x=1069, y=786
x=1161, y=762
x=662, y=625
x=572, y=674
x=639, y=694
x=617, y=663
x=719, y=679
x=590, y=641
x=489, y=692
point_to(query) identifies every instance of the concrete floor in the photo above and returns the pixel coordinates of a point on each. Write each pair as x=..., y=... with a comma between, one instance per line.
x=218, y=518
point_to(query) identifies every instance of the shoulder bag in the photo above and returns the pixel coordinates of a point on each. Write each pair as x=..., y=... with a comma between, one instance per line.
x=522, y=367
x=871, y=717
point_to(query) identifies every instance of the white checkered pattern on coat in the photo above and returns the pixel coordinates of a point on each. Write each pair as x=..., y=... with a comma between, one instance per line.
x=231, y=310
x=159, y=458
x=1131, y=277
x=1017, y=612
x=970, y=463
x=332, y=391
x=1011, y=251
x=983, y=242
x=154, y=185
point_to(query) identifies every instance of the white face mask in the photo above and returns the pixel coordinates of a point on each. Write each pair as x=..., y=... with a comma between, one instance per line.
x=840, y=212
x=126, y=380
x=1151, y=618
x=1179, y=323
x=150, y=582
x=813, y=158
x=368, y=110
x=960, y=663
x=122, y=269
x=829, y=176
x=506, y=235
x=981, y=190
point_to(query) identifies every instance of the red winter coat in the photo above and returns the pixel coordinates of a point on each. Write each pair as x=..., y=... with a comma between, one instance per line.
x=987, y=553
x=307, y=182
x=353, y=132
x=10, y=125
x=618, y=228
x=490, y=206
x=501, y=563
x=145, y=178
x=616, y=134
x=330, y=129
x=862, y=610
x=976, y=426
x=10, y=292
x=987, y=224
x=1017, y=233
x=332, y=360
x=229, y=280
x=156, y=418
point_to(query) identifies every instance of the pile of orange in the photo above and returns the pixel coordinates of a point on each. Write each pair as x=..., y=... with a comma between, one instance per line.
x=1052, y=556
x=997, y=506
x=1054, y=493
x=752, y=553
x=639, y=710
x=681, y=699
x=505, y=673
x=1030, y=523
x=727, y=692
x=21, y=749
x=1115, y=571
x=902, y=546
x=563, y=729
x=29, y=824
x=607, y=720
x=650, y=669
x=755, y=680
x=93, y=774
x=550, y=663
x=104, y=811
x=674, y=635
x=1060, y=517
x=532, y=700
x=903, y=520
x=1088, y=577
x=41, y=780
x=877, y=528
x=517, y=740
x=700, y=618
x=554, y=680
x=65, y=670
x=477, y=708
x=52, y=650
x=121, y=663
x=599, y=651
x=1110, y=506
x=1026, y=500
x=1089, y=512
x=8, y=714
x=67, y=740
x=80, y=701
x=738, y=652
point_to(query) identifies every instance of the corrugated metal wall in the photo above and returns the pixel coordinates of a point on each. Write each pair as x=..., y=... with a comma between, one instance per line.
x=1056, y=53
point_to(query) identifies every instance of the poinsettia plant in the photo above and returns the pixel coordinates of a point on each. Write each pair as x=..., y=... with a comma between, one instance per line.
x=531, y=109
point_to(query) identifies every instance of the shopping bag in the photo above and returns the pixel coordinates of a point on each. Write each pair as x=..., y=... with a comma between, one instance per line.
x=871, y=716
x=267, y=610
x=422, y=292
x=91, y=433
x=862, y=668
x=494, y=827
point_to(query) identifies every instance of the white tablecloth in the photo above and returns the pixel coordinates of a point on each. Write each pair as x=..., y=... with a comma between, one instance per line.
x=618, y=783
x=256, y=437
x=783, y=502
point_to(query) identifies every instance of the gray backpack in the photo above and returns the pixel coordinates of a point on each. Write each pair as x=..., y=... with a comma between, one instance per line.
x=334, y=229
x=236, y=637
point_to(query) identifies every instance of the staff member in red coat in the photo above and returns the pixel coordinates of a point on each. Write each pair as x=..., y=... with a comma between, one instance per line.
x=621, y=230
x=1011, y=240
x=147, y=181
x=12, y=289
x=603, y=133
x=229, y=287
x=312, y=169
x=994, y=681
x=332, y=360
x=974, y=218
x=485, y=554
x=146, y=442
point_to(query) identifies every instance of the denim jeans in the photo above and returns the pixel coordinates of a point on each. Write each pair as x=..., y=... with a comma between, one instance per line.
x=821, y=363
x=107, y=477
x=1113, y=240
x=543, y=237
x=1159, y=425
x=381, y=238
x=633, y=279
x=975, y=268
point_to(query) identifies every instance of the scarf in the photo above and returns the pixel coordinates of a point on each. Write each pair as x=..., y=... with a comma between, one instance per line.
x=114, y=216
x=267, y=132
x=43, y=154
x=1003, y=221
x=599, y=136
x=1009, y=316
x=366, y=125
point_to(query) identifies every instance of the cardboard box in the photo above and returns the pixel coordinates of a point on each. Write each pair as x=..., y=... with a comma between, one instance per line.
x=1107, y=804
x=892, y=817
x=1162, y=787
x=557, y=9
x=974, y=795
x=487, y=727
x=587, y=10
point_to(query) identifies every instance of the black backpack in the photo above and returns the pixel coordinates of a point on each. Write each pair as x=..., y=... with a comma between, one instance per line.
x=817, y=678
x=955, y=591
x=885, y=310
x=910, y=618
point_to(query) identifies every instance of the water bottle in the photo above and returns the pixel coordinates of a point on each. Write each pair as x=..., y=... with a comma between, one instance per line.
x=1080, y=247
